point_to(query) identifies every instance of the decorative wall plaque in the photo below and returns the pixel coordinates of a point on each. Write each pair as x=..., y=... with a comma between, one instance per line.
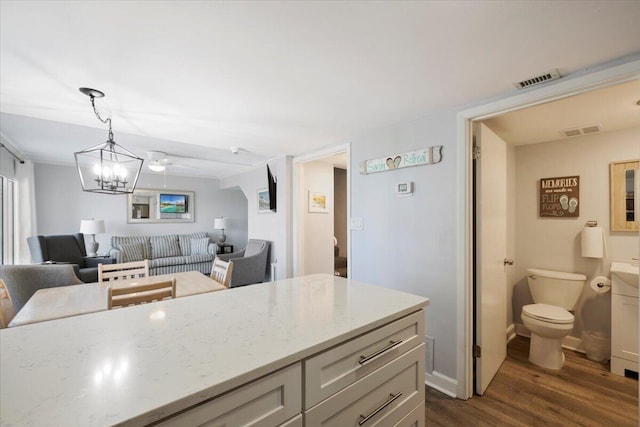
x=424, y=156
x=560, y=197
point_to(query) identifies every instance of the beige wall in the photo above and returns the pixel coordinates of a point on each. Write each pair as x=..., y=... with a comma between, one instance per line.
x=554, y=244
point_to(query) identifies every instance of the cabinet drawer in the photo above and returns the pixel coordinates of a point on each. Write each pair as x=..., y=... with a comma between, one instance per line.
x=382, y=398
x=268, y=401
x=331, y=371
x=415, y=418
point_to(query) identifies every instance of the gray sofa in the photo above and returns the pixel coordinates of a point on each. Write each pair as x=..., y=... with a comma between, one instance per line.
x=171, y=253
x=24, y=280
x=249, y=264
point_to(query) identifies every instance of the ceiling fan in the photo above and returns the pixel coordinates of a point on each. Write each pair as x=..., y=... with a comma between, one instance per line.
x=158, y=161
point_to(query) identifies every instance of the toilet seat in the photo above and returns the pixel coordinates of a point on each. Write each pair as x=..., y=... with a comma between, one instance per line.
x=548, y=313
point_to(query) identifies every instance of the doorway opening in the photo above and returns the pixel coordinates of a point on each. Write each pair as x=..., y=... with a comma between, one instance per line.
x=321, y=212
x=467, y=259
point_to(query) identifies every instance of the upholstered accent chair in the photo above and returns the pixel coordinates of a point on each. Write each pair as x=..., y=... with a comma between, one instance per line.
x=66, y=248
x=249, y=264
x=24, y=280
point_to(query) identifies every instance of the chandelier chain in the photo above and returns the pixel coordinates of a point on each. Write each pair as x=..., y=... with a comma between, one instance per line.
x=106, y=121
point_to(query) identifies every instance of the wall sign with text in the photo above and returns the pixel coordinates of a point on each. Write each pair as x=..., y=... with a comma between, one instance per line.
x=424, y=156
x=560, y=197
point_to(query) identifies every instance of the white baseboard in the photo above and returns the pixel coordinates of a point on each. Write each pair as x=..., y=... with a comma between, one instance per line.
x=569, y=342
x=511, y=332
x=442, y=383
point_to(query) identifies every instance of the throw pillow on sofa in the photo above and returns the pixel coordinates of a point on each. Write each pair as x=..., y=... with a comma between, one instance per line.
x=199, y=246
x=132, y=252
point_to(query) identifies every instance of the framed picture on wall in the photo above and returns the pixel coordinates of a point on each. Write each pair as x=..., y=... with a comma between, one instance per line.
x=263, y=200
x=318, y=202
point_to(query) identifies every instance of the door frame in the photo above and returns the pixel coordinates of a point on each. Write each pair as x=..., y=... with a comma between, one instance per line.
x=616, y=72
x=299, y=203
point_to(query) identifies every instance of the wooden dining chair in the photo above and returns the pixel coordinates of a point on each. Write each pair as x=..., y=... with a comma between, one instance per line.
x=125, y=270
x=221, y=271
x=141, y=293
x=7, y=310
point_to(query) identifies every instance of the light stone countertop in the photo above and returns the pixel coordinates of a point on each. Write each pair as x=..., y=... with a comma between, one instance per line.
x=140, y=364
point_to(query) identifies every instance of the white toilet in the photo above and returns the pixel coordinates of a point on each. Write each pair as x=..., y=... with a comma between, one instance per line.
x=554, y=293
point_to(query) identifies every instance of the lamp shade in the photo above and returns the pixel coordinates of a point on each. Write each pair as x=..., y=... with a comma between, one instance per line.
x=92, y=226
x=220, y=223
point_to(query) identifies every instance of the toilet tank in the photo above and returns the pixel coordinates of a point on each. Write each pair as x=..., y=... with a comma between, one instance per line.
x=555, y=287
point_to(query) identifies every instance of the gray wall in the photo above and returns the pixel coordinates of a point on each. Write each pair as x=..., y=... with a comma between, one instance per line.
x=554, y=244
x=61, y=204
x=409, y=243
x=272, y=226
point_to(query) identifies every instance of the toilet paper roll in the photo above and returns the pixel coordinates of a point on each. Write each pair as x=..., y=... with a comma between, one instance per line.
x=601, y=284
x=592, y=242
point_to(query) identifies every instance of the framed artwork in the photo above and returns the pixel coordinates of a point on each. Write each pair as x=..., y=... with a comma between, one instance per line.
x=263, y=200
x=318, y=202
x=559, y=197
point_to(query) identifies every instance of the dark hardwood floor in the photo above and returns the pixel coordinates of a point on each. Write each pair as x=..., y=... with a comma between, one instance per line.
x=582, y=393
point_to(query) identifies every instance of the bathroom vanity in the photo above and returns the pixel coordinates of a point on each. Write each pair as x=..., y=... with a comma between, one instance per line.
x=309, y=351
x=624, y=318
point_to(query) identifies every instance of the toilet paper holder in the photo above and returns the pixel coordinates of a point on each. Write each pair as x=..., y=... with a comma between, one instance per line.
x=592, y=223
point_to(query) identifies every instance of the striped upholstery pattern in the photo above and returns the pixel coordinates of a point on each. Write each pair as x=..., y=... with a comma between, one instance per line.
x=164, y=246
x=117, y=241
x=167, y=261
x=194, y=259
x=132, y=252
x=180, y=245
x=185, y=241
x=199, y=246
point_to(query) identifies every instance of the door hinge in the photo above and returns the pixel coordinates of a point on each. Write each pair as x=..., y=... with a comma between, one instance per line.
x=475, y=153
x=477, y=351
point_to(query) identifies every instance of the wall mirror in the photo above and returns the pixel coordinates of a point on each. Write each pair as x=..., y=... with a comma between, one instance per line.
x=625, y=195
x=160, y=206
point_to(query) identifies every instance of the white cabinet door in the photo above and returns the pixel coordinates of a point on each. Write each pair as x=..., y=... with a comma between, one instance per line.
x=624, y=327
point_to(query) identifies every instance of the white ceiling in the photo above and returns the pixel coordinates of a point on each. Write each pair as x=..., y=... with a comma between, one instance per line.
x=611, y=108
x=275, y=78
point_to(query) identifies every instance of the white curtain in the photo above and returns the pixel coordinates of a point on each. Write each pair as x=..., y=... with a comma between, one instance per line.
x=26, y=210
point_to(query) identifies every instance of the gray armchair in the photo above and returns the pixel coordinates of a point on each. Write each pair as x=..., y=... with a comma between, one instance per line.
x=249, y=264
x=66, y=248
x=24, y=280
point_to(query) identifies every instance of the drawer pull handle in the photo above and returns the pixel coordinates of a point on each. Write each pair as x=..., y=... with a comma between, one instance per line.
x=365, y=359
x=380, y=408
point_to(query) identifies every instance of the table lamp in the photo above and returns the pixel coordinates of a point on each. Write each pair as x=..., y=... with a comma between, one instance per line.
x=92, y=227
x=220, y=224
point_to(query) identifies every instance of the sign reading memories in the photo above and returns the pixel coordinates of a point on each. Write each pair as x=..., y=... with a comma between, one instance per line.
x=560, y=197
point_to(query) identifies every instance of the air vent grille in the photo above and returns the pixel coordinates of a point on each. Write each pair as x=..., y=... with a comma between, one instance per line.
x=586, y=130
x=543, y=78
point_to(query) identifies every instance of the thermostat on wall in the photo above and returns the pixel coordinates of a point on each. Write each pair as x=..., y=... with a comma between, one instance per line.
x=404, y=188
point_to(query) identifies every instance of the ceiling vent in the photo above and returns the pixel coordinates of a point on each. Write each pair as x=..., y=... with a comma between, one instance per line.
x=542, y=78
x=581, y=131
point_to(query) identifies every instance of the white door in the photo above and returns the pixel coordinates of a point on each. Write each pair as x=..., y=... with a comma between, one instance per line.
x=491, y=251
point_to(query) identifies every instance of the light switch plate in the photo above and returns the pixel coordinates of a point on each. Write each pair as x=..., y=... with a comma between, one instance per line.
x=356, y=224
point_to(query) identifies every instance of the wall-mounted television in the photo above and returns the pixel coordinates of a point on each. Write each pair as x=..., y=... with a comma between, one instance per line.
x=272, y=184
x=173, y=203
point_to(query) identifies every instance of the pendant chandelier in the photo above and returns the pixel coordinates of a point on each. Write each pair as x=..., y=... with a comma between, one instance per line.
x=107, y=168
